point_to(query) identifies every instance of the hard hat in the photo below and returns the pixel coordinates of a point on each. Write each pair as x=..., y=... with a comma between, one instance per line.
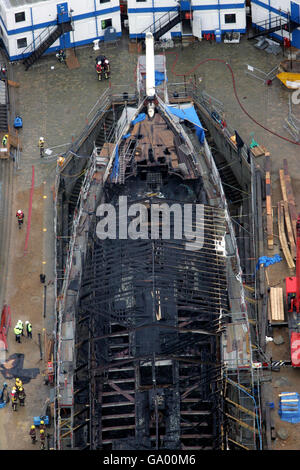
x=41, y=138
x=20, y=389
x=106, y=61
x=33, y=426
x=42, y=431
x=20, y=321
x=19, y=211
x=26, y=322
x=42, y=422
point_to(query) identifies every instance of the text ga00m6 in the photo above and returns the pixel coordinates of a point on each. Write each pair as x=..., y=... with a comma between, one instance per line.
x=171, y=459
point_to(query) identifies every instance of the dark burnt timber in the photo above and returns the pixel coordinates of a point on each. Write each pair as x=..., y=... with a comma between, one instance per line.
x=155, y=348
x=154, y=308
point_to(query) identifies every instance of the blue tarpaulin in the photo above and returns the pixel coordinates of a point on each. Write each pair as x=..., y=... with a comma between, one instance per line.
x=115, y=170
x=289, y=410
x=189, y=114
x=140, y=118
x=159, y=78
x=267, y=261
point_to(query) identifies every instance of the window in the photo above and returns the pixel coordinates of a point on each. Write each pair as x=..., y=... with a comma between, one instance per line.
x=21, y=43
x=106, y=23
x=104, y=1
x=230, y=18
x=20, y=16
x=137, y=1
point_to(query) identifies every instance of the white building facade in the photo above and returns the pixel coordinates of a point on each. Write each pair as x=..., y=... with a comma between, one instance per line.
x=269, y=10
x=204, y=16
x=23, y=21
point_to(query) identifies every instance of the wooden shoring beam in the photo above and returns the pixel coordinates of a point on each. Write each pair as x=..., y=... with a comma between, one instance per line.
x=241, y=423
x=240, y=407
x=238, y=444
x=231, y=382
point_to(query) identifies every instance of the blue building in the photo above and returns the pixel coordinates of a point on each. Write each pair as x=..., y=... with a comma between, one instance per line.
x=195, y=17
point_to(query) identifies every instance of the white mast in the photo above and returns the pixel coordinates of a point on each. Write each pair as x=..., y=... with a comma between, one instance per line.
x=150, y=67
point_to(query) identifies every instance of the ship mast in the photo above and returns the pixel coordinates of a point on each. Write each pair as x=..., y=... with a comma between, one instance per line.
x=150, y=74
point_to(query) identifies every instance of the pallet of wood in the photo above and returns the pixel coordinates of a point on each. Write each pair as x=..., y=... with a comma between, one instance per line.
x=259, y=151
x=290, y=214
x=276, y=304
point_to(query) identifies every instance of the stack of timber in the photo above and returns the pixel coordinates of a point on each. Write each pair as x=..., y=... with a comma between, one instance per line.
x=282, y=236
x=276, y=305
x=269, y=203
x=260, y=151
x=288, y=213
x=290, y=198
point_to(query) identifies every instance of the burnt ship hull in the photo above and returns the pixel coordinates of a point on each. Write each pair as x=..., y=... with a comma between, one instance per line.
x=153, y=327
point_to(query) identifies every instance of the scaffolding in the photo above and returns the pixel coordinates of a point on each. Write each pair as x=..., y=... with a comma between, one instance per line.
x=292, y=123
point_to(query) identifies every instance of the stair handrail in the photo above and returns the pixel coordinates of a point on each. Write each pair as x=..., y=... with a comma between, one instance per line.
x=33, y=46
x=166, y=18
x=269, y=22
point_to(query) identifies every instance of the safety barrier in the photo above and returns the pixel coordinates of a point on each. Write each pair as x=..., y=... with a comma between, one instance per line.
x=291, y=123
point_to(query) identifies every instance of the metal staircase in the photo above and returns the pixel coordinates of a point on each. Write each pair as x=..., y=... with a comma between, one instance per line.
x=3, y=107
x=40, y=44
x=269, y=26
x=164, y=23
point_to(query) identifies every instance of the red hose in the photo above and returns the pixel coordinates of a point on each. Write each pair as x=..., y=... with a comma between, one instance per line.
x=190, y=72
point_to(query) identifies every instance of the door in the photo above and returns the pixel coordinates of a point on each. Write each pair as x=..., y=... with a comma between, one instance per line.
x=295, y=12
x=197, y=29
x=62, y=13
x=296, y=38
x=63, y=17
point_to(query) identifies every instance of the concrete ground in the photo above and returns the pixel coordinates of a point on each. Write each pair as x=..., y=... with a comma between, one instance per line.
x=54, y=103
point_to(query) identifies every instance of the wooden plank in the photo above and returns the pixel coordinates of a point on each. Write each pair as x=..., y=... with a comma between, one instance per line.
x=270, y=238
x=282, y=237
x=289, y=229
x=276, y=304
x=283, y=185
x=290, y=198
x=13, y=84
x=258, y=151
x=288, y=222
